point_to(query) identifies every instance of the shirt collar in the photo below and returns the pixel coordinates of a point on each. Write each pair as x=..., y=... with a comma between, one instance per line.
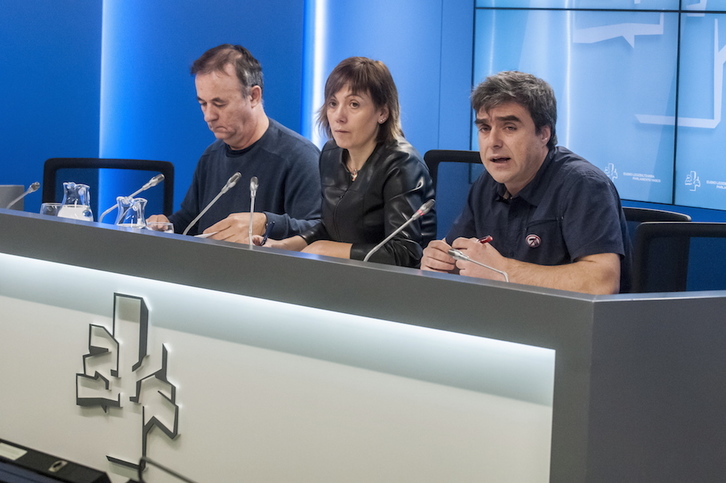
x=531, y=193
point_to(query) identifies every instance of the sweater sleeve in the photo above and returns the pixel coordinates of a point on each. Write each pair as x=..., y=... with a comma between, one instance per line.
x=302, y=202
x=301, y=195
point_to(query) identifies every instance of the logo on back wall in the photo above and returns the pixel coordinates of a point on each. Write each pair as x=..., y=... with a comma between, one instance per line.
x=693, y=181
x=611, y=172
x=115, y=374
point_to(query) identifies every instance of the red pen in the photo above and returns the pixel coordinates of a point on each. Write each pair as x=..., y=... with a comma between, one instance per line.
x=486, y=239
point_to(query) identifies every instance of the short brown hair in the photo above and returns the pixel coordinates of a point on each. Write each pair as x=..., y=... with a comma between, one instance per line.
x=365, y=75
x=248, y=69
x=529, y=91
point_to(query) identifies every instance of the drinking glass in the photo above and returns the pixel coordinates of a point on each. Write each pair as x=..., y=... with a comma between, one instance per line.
x=50, y=209
x=162, y=226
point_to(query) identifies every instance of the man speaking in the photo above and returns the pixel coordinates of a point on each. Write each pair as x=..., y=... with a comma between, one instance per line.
x=540, y=214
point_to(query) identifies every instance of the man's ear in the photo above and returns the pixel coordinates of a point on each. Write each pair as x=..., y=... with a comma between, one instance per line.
x=545, y=133
x=255, y=95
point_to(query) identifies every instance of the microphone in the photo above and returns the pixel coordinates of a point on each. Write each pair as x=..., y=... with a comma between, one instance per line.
x=31, y=189
x=229, y=185
x=149, y=184
x=418, y=214
x=458, y=255
x=253, y=194
x=253, y=187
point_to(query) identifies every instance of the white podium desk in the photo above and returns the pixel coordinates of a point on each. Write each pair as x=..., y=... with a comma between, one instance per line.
x=234, y=363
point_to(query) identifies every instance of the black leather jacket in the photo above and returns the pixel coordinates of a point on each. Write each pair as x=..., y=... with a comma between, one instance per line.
x=383, y=196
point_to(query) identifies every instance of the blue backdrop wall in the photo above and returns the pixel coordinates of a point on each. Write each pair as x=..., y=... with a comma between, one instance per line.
x=111, y=78
x=148, y=101
x=50, y=73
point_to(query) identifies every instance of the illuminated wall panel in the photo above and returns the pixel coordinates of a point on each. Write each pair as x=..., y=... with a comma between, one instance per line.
x=639, y=86
x=700, y=167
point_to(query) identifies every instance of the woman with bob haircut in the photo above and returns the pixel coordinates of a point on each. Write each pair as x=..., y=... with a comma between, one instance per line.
x=373, y=180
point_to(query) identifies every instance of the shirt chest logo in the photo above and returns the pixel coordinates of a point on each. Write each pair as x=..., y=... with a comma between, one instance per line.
x=533, y=241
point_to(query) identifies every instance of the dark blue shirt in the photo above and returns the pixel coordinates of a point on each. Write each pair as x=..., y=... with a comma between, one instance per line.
x=569, y=210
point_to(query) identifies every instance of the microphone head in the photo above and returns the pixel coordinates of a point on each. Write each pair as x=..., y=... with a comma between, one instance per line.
x=33, y=187
x=427, y=206
x=156, y=180
x=457, y=254
x=152, y=182
x=424, y=209
x=233, y=179
x=254, y=184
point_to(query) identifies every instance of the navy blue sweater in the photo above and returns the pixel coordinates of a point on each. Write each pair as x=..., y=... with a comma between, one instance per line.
x=286, y=165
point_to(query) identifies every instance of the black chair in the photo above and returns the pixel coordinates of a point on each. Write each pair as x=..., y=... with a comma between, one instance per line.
x=636, y=216
x=695, y=247
x=435, y=157
x=660, y=277
x=135, y=173
x=466, y=165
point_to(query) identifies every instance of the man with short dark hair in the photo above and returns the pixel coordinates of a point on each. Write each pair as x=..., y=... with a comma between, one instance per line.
x=229, y=86
x=539, y=213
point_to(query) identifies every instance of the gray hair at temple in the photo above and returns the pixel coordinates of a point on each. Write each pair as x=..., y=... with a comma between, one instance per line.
x=529, y=91
x=248, y=69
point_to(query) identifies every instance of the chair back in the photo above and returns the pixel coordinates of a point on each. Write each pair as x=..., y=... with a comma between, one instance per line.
x=660, y=277
x=695, y=248
x=636, y=216
x=463, y=167
x=109, y=178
